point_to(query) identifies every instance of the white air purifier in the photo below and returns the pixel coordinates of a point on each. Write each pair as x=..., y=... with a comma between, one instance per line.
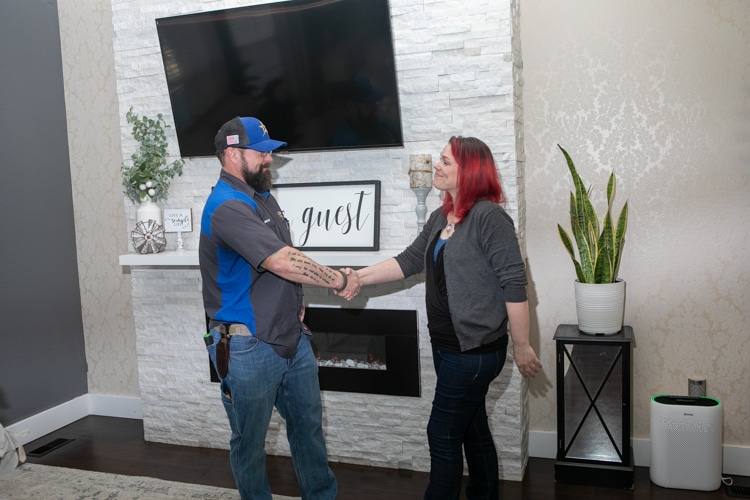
x=686, y=435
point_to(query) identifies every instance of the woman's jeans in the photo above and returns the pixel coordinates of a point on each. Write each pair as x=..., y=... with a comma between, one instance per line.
x=458, y=424
x=257, y=380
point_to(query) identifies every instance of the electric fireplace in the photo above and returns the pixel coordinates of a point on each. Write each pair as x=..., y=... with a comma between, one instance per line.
x=369, y=351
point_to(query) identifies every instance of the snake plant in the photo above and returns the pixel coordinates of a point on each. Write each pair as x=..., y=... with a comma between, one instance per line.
x=599, y=251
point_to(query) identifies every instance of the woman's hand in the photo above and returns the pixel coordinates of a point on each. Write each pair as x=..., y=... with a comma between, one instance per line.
x=526, y=361
x=518, y=318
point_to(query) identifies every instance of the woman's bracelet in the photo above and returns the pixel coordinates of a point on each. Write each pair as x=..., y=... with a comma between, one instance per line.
x=343, y=285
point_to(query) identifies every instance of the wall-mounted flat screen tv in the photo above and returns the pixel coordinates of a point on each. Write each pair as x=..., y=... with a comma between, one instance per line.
x=320, y=74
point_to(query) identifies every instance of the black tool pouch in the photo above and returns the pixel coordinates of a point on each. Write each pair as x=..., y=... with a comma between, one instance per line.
x=222, y=351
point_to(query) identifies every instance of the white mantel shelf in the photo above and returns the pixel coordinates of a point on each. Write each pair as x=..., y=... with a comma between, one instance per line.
x=189, y=258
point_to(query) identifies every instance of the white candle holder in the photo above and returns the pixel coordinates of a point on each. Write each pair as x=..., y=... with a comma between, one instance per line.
x=420, y=181
x=421, y=206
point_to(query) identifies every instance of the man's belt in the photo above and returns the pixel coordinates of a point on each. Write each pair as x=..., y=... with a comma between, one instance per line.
x=237, y=329
x=227, y=331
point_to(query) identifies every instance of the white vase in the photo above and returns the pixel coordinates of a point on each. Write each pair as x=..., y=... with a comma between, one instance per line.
x=148, y=210
x=600, y=307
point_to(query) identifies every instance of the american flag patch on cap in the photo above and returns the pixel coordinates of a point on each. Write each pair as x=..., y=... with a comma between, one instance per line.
x=233, y=139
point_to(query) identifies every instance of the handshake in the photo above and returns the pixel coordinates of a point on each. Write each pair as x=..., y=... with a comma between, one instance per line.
x=352, y=283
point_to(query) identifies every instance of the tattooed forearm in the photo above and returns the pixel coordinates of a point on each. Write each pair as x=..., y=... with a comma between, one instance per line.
x=317, y=274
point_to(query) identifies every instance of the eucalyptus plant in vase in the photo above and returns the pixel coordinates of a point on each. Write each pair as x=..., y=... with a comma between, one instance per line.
x=600, y=293
x=147, y=180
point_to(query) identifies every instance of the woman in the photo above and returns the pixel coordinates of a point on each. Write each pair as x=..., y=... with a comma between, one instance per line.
x=475, y=286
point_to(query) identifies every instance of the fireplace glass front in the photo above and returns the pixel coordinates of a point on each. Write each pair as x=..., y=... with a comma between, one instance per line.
x=371, y=351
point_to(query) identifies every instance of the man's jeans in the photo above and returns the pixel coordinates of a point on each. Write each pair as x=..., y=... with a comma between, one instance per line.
x=459, y=420
x=258, y=379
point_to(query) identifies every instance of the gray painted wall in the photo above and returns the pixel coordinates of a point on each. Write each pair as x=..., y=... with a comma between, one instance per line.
x=42, y=359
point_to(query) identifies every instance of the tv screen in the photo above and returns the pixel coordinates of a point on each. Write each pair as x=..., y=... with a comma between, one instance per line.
x=320, y=74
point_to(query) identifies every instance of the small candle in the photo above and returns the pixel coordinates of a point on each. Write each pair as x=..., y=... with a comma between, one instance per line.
x=420, y=171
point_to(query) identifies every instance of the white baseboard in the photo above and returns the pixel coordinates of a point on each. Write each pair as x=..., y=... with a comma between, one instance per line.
x=55, y=418
x=542, y=444
x=115, y=406
x=736, y=459
x=50, y=420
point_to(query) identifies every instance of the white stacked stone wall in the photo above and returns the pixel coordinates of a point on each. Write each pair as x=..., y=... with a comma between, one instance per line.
x=458, y=66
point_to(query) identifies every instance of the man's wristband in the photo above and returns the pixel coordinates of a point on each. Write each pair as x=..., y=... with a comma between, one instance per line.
x=343, y=285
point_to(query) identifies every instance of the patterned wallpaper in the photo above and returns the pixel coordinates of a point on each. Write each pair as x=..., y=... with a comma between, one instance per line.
x=95, y=155
x=657, y=91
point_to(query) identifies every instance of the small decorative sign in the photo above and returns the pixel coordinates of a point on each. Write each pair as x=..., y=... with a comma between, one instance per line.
x=332, y=215
x=178, y=220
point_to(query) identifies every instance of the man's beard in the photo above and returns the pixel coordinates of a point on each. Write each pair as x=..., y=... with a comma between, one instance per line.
x=260, y=181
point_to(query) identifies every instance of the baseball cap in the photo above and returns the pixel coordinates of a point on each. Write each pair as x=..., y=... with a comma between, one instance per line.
x=246, y=133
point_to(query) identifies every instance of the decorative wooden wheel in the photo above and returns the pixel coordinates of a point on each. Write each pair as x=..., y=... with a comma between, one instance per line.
x=148, y=237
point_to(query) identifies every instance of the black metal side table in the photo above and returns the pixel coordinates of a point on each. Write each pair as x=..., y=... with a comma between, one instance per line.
x=594, y=408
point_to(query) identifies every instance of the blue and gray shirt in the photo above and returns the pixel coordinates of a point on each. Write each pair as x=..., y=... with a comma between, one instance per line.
x=241, y=228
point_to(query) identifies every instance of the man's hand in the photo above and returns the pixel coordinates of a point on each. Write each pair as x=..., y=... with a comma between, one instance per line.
x=353, y=285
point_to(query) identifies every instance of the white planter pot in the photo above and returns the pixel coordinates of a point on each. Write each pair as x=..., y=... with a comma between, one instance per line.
x=148, y=210
x=600, y=307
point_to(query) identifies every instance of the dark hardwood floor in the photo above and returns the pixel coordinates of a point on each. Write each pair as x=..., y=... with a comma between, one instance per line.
x=116, y=445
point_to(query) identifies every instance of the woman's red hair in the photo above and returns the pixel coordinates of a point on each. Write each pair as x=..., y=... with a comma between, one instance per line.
x=476, y=176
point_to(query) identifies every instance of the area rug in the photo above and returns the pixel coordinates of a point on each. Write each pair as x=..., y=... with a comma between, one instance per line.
x=34, y=481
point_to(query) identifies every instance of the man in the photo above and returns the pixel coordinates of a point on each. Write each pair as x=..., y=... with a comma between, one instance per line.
x=252, y=293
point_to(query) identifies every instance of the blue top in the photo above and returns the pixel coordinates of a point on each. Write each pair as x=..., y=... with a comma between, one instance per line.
x=241, y=228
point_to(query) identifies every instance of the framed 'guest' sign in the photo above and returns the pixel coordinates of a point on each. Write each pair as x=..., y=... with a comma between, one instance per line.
x=332, y=215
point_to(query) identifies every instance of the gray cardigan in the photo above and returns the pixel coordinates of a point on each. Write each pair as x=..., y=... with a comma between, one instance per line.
x=483, y=270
